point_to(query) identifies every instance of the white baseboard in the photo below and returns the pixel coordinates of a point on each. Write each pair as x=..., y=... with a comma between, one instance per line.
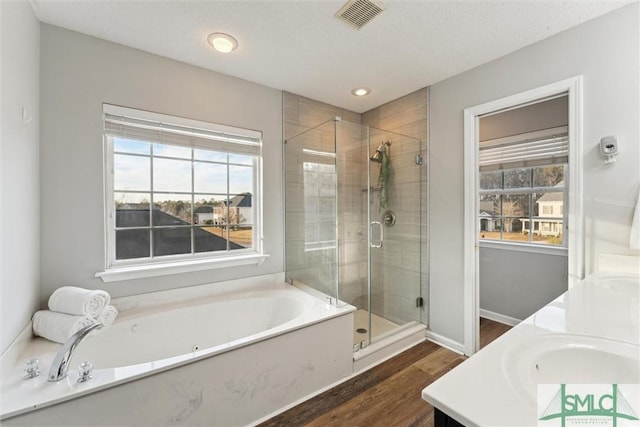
x=445, y=342
x=500, y=318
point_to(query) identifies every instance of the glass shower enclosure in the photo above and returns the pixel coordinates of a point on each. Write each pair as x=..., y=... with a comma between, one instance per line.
x=354, y=223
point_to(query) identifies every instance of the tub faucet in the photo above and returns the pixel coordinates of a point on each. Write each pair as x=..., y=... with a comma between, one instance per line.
x=60, y=364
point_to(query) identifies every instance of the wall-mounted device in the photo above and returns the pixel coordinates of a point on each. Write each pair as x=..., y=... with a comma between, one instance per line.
x=609, y=148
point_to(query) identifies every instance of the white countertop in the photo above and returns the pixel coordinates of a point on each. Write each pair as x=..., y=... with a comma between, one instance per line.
x=493, y=387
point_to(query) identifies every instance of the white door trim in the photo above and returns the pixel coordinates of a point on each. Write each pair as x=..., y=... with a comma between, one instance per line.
x=573, y=86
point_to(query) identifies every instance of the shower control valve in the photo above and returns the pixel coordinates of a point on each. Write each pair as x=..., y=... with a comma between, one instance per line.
x=389, y=218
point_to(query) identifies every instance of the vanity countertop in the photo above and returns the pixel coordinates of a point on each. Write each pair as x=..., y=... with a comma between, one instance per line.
x=594, y=322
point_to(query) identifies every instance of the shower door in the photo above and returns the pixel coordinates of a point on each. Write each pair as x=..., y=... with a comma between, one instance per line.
x=380, y=229
x=396, y=229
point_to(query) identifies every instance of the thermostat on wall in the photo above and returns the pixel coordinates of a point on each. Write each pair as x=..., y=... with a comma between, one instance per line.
x=609, y=148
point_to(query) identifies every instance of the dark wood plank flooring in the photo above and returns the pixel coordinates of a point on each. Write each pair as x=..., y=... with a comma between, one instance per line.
x=490, y=330
x=386, y=395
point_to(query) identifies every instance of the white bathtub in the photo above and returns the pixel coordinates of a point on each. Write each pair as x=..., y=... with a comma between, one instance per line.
x=195, y=356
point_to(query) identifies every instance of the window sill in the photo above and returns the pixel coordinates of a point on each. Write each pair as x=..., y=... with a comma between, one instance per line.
x=143, y=271
x=524, y=247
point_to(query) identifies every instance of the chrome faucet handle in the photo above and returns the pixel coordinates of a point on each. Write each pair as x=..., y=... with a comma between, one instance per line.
x=85, y=372
x=60, y=364
x=31, y=369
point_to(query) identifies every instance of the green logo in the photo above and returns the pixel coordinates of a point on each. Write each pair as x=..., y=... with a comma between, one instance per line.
x=588, y=408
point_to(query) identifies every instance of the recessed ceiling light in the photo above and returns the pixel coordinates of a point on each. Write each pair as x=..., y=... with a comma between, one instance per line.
x=222, y=42
x=360, y=91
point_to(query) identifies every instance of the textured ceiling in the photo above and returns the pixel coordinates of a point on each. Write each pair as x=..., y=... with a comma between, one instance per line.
x=301, y=47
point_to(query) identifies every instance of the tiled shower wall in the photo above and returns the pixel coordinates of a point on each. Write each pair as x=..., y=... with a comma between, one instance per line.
x=397, y=266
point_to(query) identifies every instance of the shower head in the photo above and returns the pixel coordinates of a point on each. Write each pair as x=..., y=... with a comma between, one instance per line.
x=380, y=152
x=377, y=155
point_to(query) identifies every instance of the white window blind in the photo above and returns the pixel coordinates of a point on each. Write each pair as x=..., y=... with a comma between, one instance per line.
x=524, y=151
x=119, y=122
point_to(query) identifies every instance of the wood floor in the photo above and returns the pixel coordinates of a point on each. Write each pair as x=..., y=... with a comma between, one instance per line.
x=386, y=395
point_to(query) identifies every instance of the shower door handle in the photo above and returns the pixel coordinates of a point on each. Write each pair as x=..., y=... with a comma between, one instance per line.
x=381, y=228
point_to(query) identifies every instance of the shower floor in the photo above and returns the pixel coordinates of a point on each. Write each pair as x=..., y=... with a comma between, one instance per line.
x=379, y=324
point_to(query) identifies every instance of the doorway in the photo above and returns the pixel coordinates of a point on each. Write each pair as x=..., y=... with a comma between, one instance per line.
x=489, y=178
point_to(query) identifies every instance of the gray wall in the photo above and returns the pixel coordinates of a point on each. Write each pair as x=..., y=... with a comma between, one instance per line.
x=605, y=52
x=19, y=163
x=518, y=283
x=78, y=74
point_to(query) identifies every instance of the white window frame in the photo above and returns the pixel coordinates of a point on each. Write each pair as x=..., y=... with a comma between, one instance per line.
x=126, y=269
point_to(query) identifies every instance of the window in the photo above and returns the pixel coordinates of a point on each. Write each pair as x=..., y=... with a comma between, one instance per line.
x=179, y=190
x=522, y=190
x=319, y=202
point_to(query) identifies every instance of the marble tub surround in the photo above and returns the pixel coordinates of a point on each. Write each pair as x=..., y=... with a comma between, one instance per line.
x=231, y=383
x=594, y=322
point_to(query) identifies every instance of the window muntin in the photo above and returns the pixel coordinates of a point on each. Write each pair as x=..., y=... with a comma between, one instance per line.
x=190, y=198
x=523, y=205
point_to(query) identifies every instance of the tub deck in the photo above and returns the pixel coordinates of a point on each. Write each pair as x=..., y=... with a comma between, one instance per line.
x=232, y=383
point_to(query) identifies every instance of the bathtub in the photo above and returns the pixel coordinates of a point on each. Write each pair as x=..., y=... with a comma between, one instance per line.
x=220, y=354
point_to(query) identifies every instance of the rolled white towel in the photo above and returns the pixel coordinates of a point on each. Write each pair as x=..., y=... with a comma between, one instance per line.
x=79, y=301
x=58, y=327
x=108, y=315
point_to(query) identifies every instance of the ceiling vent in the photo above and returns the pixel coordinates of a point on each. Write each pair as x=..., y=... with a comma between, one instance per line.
x=358, y=13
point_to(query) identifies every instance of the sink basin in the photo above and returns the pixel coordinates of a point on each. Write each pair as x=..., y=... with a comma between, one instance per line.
x=570, y=359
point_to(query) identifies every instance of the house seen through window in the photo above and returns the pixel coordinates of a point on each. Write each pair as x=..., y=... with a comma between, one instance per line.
x=179, y=189
x=523, y=205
